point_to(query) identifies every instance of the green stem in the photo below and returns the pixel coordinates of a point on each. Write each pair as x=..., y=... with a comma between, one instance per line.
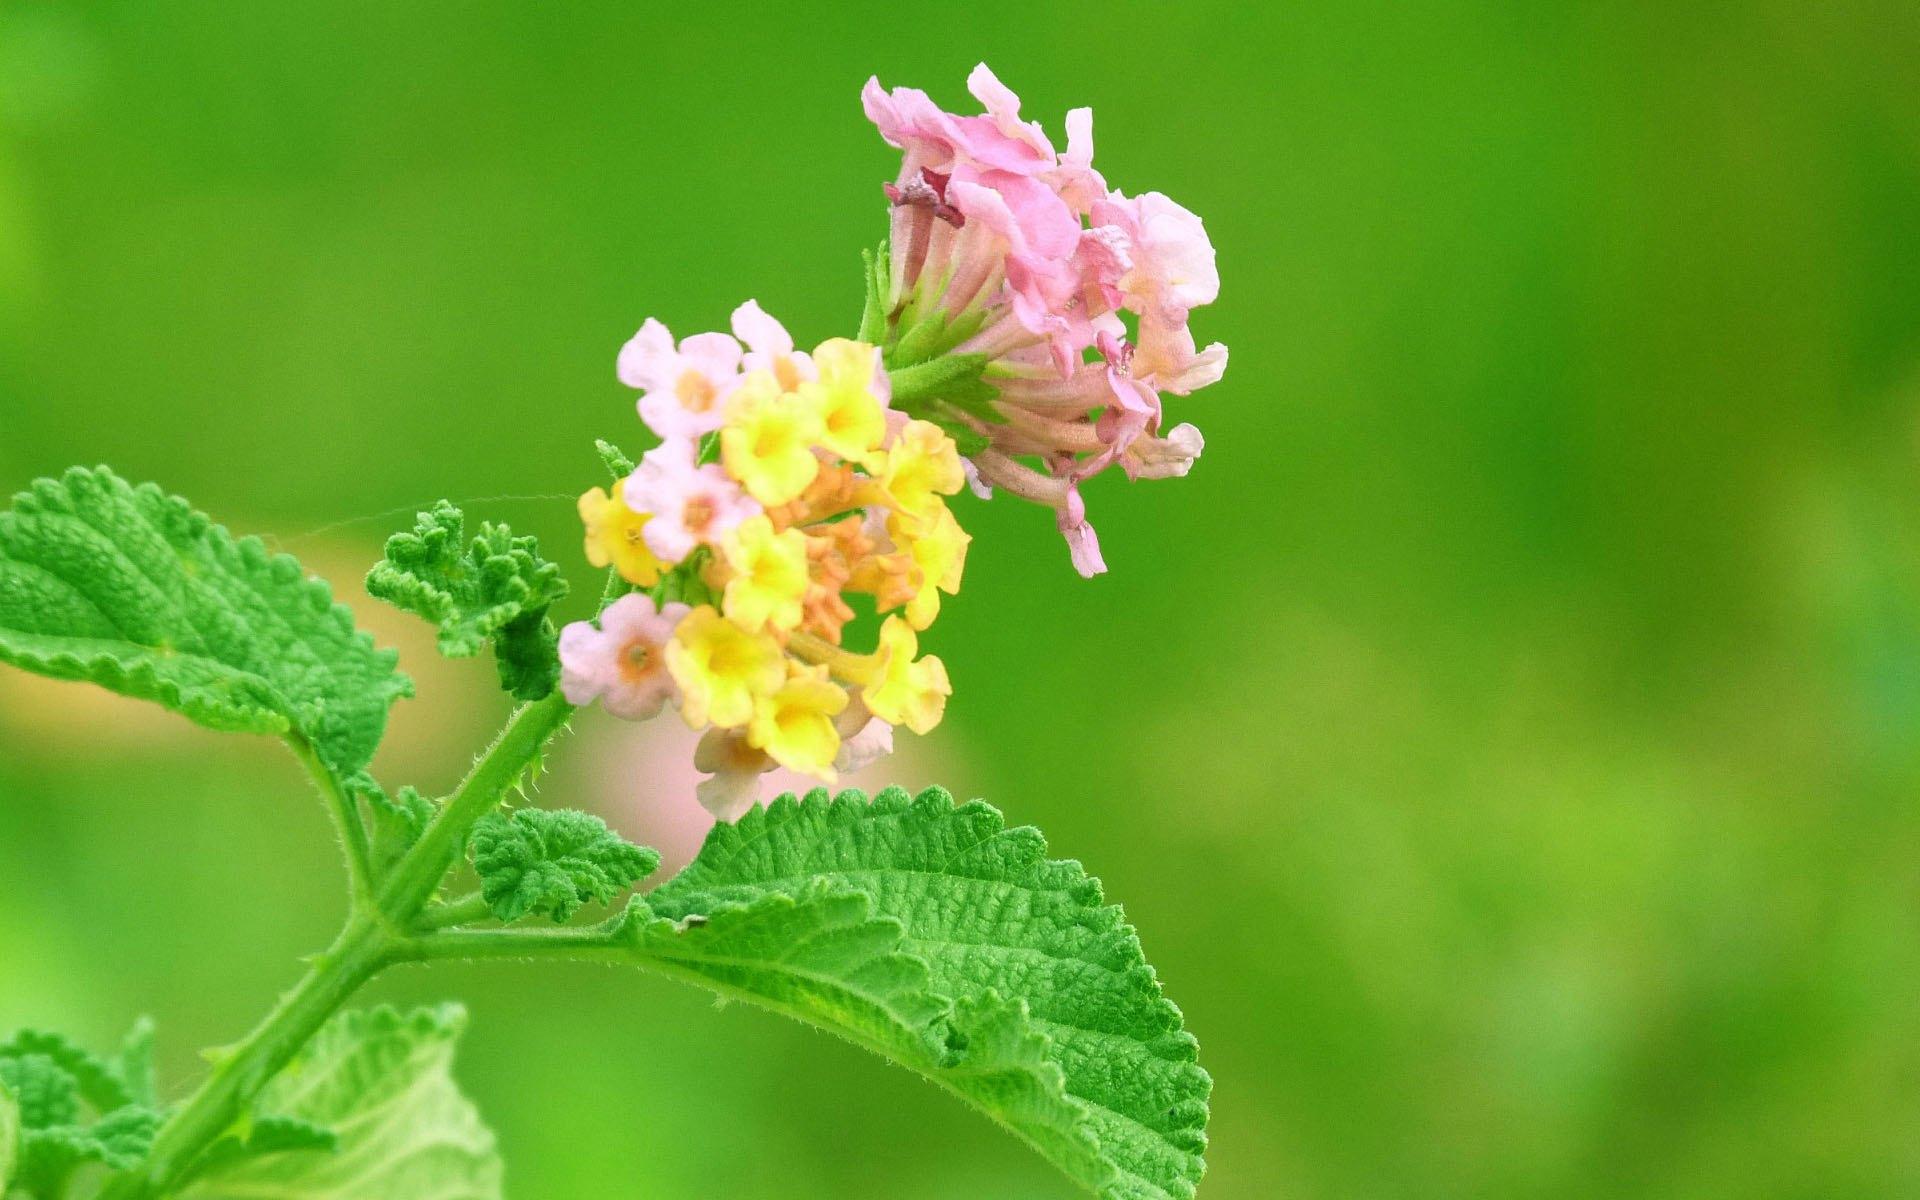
x=345, y=812
x=362, y=949
x=416, y=876
x=371, y=940
x=463, y=911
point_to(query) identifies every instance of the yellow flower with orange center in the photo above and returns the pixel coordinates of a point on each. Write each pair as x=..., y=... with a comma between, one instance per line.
x=721, y=668
x=768, y=440
x=613, y=537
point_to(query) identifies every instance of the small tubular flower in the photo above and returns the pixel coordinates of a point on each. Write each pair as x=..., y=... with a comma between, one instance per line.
x=920, y=466
x=770, y=347
x=693, y=505
x=794, y=723
x=614, y=537
x=684, y=388
x=849, y=398
x=622, y=664
x=768, y=441
x=767, y=575
x=937, y=547
x=721, y=669
x=903, y=689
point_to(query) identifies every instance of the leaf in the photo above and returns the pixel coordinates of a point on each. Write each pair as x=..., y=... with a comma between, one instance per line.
x=617, y=463
x=9, y=1137
x=51, y=1083
x=383, y=1083
x=553, y=861
x=264, y=1136
x=135, y=1063
x=131, y=589
x=932, y=933
x=398, y=821
x=495, y=588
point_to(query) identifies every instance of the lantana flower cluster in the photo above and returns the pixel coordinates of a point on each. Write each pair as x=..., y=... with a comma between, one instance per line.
x=1022, y=324
x=1076, y=295
x=782, y=484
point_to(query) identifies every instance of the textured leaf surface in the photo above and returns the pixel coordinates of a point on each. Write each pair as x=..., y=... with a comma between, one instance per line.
x=933, y=933
x=495, y=588
x=553, y=861
x=70, y=1108
x=382, y=1082
x=129, y=588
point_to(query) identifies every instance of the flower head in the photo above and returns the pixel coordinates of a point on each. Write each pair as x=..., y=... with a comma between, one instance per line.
x=622, y=663
x=722, y=669
x=1003, y=248
x=684, y=388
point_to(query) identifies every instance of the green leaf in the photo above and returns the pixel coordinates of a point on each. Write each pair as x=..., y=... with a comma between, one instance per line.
x=553, y=861
x=131, y=589
x=398, y=821
x=261, y=1137
x=932, y=933
x=879, y=280
x=52, y=1083
x=495, y=588
x=617, y=463
x=382, y=1082
x=9, y=1137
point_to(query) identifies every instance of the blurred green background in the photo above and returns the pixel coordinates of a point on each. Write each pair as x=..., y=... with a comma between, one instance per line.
x=1506, y=739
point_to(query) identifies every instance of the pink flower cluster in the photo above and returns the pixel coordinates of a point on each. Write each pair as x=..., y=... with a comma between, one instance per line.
x=1023, y=254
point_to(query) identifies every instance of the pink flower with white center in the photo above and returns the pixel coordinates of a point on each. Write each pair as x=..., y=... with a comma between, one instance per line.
x=770, y=347
x=684, y=388
x=622, y=664
x=692, y=504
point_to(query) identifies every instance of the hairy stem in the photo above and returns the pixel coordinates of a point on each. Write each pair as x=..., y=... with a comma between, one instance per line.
x=345, y=812
x=362, y=949
x=416, y=876
x=463, y=911
x=372, y=939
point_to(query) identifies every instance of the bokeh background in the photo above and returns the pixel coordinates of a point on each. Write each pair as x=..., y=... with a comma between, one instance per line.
x=1507, y=740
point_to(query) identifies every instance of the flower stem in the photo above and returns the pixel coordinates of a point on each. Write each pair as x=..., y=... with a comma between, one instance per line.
x=362, y=948
x=373, y=939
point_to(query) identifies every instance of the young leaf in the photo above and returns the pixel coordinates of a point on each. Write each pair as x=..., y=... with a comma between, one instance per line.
x=131, y=589
x=932, y=933
x=495, y=588
x=52, y=1082
x=398, y=821
x=553, y=861
x=383, y=1084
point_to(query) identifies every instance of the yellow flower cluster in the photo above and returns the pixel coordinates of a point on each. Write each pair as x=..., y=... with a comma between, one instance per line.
x=849, y=502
